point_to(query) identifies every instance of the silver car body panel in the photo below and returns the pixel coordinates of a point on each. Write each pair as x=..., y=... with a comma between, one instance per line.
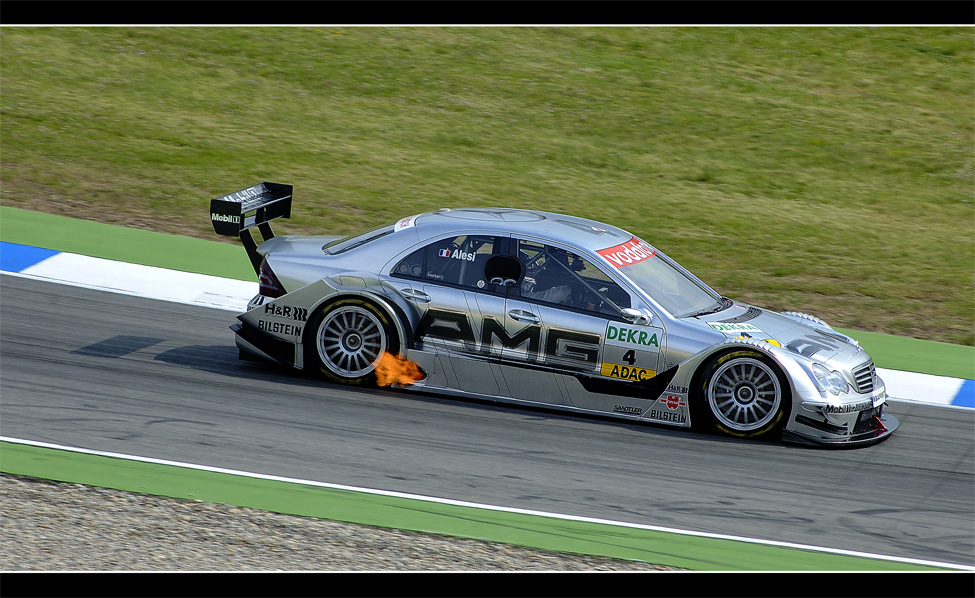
x=489, y=342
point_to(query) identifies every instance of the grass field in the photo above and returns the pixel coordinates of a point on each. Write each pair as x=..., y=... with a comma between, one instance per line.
x=826, y=170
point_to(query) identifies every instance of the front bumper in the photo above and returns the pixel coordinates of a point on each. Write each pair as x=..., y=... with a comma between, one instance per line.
x=860, y=419
x=870, y=426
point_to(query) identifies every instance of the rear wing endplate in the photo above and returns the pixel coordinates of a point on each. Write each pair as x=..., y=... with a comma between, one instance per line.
x=234, y=214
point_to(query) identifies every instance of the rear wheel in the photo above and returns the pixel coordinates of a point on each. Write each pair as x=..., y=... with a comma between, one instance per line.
x=347, y=338
x=744, y=394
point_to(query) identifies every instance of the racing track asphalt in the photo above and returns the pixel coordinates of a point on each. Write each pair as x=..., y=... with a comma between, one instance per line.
x=118, y=373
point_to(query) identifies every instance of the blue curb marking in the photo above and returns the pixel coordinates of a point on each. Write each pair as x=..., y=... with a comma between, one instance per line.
x=15, y=258
x=966, y=395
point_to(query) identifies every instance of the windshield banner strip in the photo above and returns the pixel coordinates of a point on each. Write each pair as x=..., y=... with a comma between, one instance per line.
x=631, y=252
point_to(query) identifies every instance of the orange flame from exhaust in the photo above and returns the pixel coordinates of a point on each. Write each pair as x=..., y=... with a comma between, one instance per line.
x=393, y=369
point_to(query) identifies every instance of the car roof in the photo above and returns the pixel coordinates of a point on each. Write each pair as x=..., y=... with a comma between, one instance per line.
x=571, y=230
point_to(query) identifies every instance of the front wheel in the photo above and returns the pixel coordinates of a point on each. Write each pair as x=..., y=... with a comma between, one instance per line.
x=744, y=394
x=346, y=340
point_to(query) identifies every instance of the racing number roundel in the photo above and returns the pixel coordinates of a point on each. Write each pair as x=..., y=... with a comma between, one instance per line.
x=631, y=352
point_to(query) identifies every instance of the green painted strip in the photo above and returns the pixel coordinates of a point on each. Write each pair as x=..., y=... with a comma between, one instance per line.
x=916, y=355
x=677, y=550
x=230, y=261
x=134, y=246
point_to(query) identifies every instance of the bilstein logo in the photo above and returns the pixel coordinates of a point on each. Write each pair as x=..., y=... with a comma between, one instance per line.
x=224, y=218
x=666, y=416
x=279, y=328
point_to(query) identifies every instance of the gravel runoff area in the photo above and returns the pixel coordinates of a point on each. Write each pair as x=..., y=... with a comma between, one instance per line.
x=61, y=526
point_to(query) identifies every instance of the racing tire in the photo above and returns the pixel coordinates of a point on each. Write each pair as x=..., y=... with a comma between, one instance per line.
x=346, y=338
x=743, y=394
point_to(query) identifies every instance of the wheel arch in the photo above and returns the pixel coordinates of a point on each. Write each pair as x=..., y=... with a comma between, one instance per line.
x=395, y=313
x=785, y=365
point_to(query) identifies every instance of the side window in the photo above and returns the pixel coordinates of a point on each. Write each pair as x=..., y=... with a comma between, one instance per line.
x=455, y=261
x=554, y=275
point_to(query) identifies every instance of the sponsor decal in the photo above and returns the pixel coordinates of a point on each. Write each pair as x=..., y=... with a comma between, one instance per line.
x=563, y=345
x=249, y=193
x=279, y=328
x=215, y=217
x=682, y=390
x=810, y=345
x=642, y=337
x=627, y=409
x=770, y=341
x=633, y=251
x=299, y=314
x=673, y=401
x=405, y=223
x=625, y=372
x=861, y=406
x=667, y=416
x=735, y=328
x=879, y=399
x=244, y=194
x=457, y=254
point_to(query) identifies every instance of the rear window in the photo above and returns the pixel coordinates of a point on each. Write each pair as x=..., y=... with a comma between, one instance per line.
x=343, y=245
x=454, y=261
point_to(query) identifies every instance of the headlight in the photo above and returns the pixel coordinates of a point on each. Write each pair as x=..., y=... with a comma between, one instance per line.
x=831, y=380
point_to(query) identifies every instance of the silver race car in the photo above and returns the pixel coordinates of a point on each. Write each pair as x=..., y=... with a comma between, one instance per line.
x=544, y=309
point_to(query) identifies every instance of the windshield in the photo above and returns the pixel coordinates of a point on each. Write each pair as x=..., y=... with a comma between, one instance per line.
x=661, y=278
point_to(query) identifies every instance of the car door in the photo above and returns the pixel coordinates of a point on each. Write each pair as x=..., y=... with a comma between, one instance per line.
x=597, y=354
x=445, y=281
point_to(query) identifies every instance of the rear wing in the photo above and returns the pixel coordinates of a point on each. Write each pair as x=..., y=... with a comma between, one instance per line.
x=234, y=214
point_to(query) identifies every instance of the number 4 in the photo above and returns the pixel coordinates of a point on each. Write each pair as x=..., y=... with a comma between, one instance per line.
x=629, y=357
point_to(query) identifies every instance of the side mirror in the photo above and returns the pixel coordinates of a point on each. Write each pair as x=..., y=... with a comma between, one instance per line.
x=640, y=317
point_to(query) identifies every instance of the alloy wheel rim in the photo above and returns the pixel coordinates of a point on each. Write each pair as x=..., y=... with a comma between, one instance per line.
x=350, y=340
x=744, y=394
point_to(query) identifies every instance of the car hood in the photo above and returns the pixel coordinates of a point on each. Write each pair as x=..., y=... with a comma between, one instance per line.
x=808, y=340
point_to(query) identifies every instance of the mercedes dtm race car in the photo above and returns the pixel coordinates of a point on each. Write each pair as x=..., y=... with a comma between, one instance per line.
x=544, y=309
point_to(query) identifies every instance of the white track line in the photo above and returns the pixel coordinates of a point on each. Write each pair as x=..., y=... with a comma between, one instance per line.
x=460, y=503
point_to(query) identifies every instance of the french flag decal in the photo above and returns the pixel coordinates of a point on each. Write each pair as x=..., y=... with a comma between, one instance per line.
x=444, y=253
